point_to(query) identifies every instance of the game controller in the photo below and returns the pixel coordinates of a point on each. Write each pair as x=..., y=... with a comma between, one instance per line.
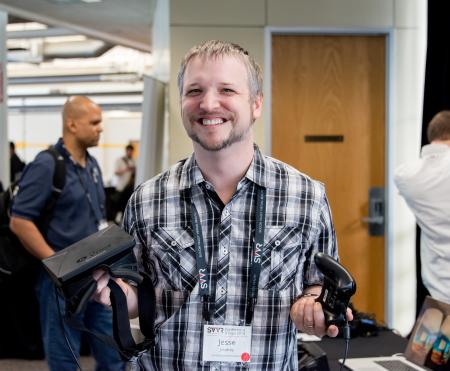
x=338, y=287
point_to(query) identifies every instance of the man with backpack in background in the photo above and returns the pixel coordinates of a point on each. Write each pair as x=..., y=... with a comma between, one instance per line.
x=78, y=211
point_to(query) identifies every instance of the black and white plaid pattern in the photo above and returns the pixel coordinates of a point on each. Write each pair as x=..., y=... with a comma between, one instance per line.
x=298, y=224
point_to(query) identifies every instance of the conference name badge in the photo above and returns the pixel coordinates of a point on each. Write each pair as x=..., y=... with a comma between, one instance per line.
x=226, y=343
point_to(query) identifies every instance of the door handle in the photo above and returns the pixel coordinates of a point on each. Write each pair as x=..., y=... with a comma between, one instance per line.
x=375, y=219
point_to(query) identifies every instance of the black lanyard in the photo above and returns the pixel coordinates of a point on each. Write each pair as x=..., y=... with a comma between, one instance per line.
x=97, y=215
x=257, y=253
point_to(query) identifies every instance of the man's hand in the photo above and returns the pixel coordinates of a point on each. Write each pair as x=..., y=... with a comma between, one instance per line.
x=102, y=293
x=309, y=318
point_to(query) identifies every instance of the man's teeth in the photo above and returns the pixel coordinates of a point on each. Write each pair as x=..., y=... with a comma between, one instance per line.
x=212, y=121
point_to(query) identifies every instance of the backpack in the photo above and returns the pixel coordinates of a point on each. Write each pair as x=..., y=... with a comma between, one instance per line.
x=14, y=258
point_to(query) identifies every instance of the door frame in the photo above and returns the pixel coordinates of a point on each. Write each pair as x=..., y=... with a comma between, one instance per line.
x=388, y=166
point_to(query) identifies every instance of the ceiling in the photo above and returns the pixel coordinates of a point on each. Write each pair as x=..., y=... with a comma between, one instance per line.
x=118, y=22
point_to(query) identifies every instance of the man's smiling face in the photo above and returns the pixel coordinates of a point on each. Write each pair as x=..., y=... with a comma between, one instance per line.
x=215, y=104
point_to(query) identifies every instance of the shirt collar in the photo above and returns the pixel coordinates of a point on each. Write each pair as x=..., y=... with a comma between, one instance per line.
x=191, y=174
x=434, y=149
x=64, y=152
x=257, y=171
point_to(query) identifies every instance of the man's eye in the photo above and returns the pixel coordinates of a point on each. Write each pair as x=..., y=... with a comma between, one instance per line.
x=191, y=92
x=228, y=91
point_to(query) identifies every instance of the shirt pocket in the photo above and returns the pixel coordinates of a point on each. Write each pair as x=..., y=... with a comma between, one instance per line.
x=281, y=257
x=174, y=252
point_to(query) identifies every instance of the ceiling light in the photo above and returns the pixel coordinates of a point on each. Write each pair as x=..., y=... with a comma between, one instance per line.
x=75, y=1
x=25, y=26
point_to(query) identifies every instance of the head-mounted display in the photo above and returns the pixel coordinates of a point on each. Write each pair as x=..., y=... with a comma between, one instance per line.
x=110, y=249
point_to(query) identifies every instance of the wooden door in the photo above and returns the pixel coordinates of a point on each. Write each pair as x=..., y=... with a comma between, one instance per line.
x=328, y=121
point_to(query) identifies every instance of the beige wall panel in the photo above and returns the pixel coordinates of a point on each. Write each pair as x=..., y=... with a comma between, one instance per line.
x=182, y=39
x=217, y=12
x=409, y=13
x=330, y=13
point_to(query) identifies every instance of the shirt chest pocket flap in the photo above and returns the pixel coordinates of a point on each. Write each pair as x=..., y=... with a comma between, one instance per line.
x=281, y=257
x=173, y=250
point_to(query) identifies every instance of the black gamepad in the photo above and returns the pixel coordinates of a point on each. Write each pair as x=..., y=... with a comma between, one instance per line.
x=338, y=287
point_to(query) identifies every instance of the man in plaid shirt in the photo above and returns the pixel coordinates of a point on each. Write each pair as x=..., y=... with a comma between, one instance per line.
x=228, y=235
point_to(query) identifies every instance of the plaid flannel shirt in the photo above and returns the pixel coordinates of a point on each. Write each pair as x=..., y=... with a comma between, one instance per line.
x=298, y=224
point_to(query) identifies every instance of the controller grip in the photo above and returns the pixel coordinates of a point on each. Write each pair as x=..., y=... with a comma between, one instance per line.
x=338, y=287
x=335, y=317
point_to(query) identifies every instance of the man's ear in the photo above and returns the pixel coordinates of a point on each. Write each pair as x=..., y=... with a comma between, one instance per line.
x=257, y=106
x=72, y=125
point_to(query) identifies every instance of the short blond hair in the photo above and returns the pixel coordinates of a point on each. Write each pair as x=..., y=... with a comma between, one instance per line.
x=216, y=48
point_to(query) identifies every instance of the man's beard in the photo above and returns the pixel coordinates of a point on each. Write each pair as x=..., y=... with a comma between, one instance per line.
x=234, y=137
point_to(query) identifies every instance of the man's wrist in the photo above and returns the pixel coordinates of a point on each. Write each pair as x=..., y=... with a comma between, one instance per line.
x=309, y=294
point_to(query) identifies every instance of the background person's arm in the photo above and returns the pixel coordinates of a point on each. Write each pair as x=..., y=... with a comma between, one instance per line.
x=30, y=237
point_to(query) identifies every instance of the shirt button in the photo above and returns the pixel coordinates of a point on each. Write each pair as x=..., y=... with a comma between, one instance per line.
x=225, y=251
x=208, y=186
x=222, y=290
x=173, y=243
x=277, y=243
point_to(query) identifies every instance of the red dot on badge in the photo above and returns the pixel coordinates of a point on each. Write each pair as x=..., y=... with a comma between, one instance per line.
x=245, y=357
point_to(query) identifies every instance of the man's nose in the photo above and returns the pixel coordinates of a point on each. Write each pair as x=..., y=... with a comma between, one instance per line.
x=209, y=101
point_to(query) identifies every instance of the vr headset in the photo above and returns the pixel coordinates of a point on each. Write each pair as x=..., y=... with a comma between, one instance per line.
x=110, y=249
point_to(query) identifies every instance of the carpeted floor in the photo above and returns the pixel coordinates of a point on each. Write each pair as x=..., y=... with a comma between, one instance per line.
x=87, y=363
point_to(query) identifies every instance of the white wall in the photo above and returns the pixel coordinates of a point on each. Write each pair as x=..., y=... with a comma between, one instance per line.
x=246, y=22
x=407, y=84
x=35, y=131
x=4, y=149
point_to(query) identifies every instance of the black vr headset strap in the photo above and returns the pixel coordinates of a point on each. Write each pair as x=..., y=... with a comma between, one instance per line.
x=73, y=322
x=121, y=322
x=122, y=339
x=147, y=307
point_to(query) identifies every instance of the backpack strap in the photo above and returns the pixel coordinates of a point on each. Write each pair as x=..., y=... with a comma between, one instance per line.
x=59, y=177
x=59, y=180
